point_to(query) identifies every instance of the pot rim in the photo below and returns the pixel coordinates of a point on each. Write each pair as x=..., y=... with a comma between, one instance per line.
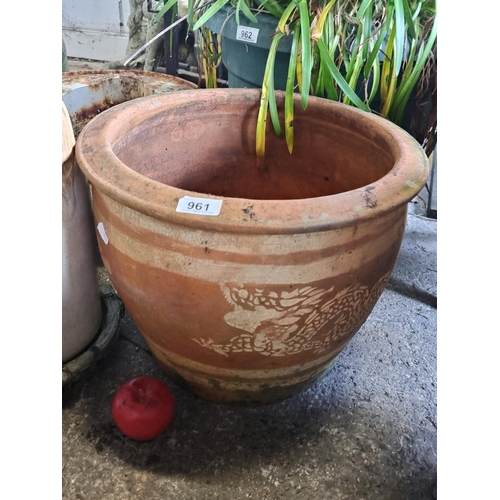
x=138, y=192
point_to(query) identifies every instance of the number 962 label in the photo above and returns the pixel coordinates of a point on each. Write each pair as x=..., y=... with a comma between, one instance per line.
x=199, y=206
x=246, y=34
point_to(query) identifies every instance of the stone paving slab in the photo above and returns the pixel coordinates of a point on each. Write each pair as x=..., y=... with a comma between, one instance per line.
x=367, y=430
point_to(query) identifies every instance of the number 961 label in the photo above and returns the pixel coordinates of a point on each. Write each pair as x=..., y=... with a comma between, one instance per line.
x=246, y=34
x=199, y=206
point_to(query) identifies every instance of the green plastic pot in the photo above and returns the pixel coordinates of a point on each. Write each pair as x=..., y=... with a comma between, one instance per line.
x=244, y=60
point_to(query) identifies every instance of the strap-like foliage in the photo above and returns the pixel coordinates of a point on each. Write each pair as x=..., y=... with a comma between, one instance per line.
x=356, y=52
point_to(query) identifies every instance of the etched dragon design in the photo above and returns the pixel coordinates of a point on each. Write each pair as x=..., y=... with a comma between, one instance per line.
x=281, y=323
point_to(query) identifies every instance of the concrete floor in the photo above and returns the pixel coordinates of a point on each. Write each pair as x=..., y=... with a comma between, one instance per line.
x=367, y=430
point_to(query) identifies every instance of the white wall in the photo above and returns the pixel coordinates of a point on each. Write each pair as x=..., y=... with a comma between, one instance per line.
x=95, y=29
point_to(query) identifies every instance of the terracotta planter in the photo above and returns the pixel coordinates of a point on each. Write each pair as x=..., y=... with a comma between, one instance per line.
x=255, y=303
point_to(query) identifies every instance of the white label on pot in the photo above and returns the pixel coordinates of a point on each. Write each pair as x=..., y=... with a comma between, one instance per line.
x=246, y=34
x=102, y=232
x=199, y=206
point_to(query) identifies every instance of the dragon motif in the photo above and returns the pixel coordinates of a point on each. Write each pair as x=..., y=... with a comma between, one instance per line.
x=286, y=322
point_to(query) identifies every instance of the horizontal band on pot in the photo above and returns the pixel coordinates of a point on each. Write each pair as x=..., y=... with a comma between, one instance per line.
x=203, y=268
x=216, y=257
x=290, y=375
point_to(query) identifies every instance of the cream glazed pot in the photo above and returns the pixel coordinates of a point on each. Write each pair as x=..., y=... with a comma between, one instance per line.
x=247, y=277
x=81, y=303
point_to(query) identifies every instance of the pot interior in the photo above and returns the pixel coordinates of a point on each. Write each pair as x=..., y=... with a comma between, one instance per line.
x=209, y=147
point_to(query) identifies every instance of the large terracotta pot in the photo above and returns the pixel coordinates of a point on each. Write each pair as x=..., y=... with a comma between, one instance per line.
x=255, y=303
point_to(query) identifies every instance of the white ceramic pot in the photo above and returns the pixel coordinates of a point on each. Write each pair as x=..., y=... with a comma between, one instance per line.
x=81, y=304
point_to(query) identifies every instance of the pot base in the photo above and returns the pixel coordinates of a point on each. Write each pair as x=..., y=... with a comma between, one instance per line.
x=216, y=391
x=249, y=387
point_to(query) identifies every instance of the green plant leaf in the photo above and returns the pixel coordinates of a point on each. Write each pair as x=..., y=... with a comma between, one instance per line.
x=298, y=63
x=406, y=88
x=273, y=110
x=318, y=86
x=387, y=64
x=417, y=10
x=367, y=30
x=306, y=51
x=166, y=7
x=242, y=5
x=327, y=80
x=363, y=7
x=214, y=8
x=285, y=16
x=389, y=75
x=374, y=54
x=267, y=87
x=191, y=12
x=317, y=31
x=410, y=63
x=289, y=91
x=339, y=78
x=409, y=19
x=400, y=34
x=355, y=65
x=375, y=82
x=273, y=7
